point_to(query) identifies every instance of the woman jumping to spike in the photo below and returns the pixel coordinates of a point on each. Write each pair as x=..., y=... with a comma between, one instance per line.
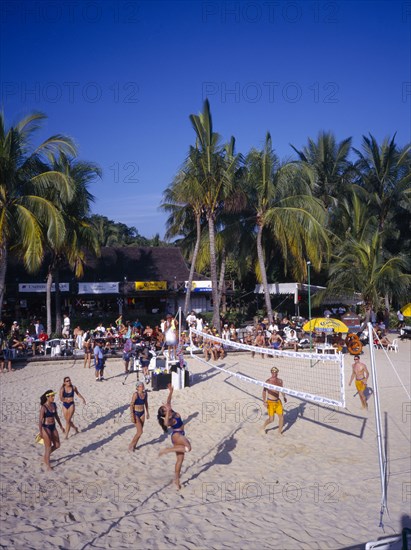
x=47, y=425
x=138, y=409
x=67, y=392
x=168, y=418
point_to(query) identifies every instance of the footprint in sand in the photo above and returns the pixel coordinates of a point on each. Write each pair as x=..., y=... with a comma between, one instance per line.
x=289, y=450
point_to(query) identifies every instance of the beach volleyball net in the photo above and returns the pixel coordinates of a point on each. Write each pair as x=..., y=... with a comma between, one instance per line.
x=316, y=377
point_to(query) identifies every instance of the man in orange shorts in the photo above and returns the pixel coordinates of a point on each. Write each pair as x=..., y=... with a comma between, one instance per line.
x=361, y=374
x=271, y=399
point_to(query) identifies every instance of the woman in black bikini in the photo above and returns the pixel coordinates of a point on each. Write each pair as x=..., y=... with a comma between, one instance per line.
x=88, y=348
x=67, y=392
x=138, y=409
x=168, y=418
x=47, y=425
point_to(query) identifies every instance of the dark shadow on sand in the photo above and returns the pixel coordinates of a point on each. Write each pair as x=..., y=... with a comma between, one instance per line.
x=330, y=417
x=120, y=431
x=96, y=445
x=221, y=456
x=103, y=419
x=368, y=392
x=190, y=417
x=202, y=376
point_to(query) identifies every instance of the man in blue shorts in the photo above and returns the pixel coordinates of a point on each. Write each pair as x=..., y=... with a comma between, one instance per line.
x=98, y=360
x=275, y=340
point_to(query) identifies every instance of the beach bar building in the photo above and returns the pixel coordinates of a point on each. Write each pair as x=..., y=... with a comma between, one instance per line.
x=139, y=280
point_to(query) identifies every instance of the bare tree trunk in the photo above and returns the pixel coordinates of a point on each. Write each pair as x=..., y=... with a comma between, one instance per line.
x=213, y=269
x=387, y=301
x=3, y=269
x=48, y=300
x=264, y=274
x=221, y=284
x=187, y=303
x=57, y=295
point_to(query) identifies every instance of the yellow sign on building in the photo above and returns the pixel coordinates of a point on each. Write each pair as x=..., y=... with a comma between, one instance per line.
x=150, y=285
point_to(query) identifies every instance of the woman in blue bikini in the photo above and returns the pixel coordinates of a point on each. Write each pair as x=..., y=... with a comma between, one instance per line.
x=47, y=425
x=138, y=409
x=168, y=418
x=67, y=392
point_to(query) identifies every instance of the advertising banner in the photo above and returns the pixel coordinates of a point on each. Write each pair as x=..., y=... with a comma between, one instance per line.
x=200, y=286
x=150, y=285
x=41, y=287
x=98, y=288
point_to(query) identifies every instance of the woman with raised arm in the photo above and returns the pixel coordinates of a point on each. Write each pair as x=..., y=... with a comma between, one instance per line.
x=47, y=425
x=67, y=392
x=138, y=409
x=168, y=418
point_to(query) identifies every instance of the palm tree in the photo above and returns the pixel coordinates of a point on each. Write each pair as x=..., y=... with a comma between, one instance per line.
x=25, y=180
x=108, y=233
x=81, y=235
x=227, y=248
x=184, y=200
x=260, y=190
x=111, y=233
x=353, y=217
x=284, y=213
x=361, y=266
x=385, y=172
x=326, y=166
x=214, y=169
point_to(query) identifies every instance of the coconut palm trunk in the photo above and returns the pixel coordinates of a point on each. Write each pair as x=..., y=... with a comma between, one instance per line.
x=57, y=295
x=213, y=270
x=187, y=303
x=263, y=272
x=221, y=284
x=387, y=301
x=26, y=182
x=3, y=269
x=49, y=283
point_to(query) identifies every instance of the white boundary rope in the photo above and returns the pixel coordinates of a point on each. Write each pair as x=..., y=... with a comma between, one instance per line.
x=389, y=359
x=337, y=358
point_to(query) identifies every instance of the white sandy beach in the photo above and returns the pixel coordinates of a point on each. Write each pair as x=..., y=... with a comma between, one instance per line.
x=316, y=487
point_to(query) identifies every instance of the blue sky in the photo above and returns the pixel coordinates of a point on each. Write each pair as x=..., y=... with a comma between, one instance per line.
x=122, y=78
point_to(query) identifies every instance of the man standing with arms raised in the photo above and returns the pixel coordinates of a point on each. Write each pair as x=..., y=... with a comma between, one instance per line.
x=271, y=398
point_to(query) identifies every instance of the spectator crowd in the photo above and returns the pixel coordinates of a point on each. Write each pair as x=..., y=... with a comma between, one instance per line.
x=132, y=337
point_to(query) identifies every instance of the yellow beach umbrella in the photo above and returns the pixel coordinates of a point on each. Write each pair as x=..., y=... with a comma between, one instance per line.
x=406, y=310
x=325, y=324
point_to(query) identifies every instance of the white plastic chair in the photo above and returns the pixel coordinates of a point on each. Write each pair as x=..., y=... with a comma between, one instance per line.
x=136, y=366
x=54, y=346
x=393, y=345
